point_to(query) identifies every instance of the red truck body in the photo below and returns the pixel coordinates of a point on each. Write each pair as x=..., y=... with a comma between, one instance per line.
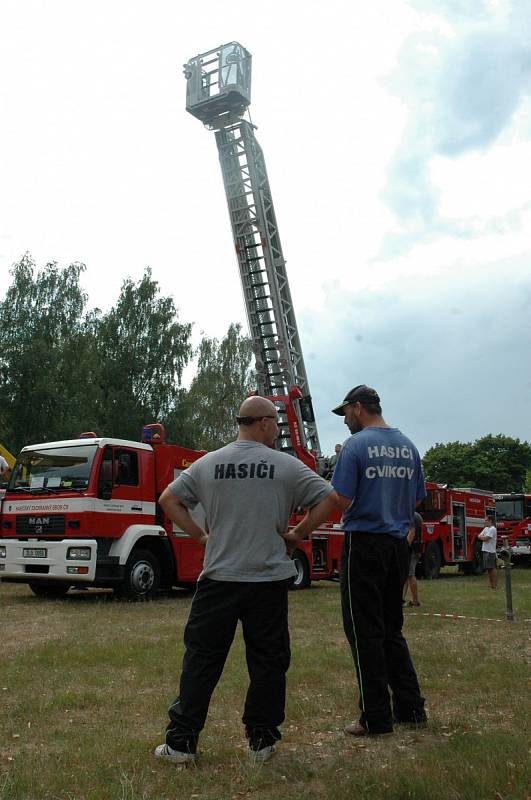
x=83, y=513
x=453, y=518
x=513, y=520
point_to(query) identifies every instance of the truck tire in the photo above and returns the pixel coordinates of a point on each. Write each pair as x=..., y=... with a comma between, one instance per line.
x=49, y=588
x=141, y=577
x=475, y=567
x=302, y=578
x=432, y=561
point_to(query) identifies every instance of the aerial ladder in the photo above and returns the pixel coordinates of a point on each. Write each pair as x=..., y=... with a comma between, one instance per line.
x=218, y=93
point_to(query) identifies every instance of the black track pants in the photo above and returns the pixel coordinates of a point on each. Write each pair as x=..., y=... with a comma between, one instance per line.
x=374, y=568
x=216, y=608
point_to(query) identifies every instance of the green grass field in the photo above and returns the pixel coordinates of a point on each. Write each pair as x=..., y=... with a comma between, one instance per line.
x=85, y=683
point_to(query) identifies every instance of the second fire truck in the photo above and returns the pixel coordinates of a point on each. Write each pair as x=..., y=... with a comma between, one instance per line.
x=453, y=518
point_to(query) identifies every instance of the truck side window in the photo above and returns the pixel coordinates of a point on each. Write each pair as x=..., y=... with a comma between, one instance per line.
x=125, y=467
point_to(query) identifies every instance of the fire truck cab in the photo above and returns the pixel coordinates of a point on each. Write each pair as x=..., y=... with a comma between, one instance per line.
x=513, y=520
x=83, y=513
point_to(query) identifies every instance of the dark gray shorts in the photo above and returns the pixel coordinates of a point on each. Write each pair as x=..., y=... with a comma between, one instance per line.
x=489, y=560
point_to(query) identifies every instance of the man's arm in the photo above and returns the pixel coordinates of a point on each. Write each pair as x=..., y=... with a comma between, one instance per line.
x=179, y=514
x=314, y=517
x=486, y=534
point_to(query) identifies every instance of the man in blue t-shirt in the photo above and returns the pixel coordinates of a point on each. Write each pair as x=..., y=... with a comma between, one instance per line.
x=379, y=480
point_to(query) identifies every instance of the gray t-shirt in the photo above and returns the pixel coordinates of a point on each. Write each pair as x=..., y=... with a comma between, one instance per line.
x=248, y=492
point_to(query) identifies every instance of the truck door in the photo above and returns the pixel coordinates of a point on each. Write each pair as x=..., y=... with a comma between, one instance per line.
x=188, y=553
x=124, y=499
x=459, y=543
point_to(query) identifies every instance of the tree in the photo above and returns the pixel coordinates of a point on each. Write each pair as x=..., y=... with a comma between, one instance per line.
x=495, y=463
x=46, y=354
x=500, y=463
x=64, y=370
x=448, y=463
x=143, y=349
x=205, y=415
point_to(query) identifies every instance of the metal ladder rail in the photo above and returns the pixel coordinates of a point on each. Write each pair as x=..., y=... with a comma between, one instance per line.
x=273, y=379
x=251, y=262
x=290, y=350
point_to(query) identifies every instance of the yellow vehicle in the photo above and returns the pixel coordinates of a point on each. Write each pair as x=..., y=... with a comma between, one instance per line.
x=8, y=457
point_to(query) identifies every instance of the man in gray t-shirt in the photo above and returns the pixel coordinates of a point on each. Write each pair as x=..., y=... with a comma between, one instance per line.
x=248, y=492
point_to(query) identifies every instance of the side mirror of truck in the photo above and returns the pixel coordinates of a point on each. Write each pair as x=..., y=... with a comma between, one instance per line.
x=105, y=490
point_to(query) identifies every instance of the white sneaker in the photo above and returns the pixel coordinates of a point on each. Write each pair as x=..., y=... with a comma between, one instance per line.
x=263, y=755
x=167, y=753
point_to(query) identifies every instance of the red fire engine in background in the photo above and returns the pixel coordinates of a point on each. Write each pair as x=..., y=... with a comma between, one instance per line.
x=513, y=520
x=453, y=518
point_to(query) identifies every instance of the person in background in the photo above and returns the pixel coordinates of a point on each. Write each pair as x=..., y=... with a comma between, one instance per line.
x=333, y=459
x=414, y=540
x=331, y=463
x=488, y=536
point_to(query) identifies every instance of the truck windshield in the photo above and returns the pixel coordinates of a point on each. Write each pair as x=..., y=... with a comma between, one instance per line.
x=510, y=509
x=54, y=469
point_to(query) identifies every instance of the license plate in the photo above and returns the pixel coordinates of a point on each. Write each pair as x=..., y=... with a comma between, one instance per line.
x=34, y=552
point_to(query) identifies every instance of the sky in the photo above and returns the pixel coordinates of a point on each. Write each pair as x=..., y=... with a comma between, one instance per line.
x=397, y=138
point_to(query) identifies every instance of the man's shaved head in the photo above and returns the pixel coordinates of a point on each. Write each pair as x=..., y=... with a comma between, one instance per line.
x=256, y=407
x=258, y=420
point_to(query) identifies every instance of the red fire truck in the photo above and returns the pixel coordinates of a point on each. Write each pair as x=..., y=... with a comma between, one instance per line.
x=513, y=519
x=453, y=518
x=83, y=513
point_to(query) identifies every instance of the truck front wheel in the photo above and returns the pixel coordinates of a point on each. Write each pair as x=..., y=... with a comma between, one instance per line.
x=49, y=588
x=302, y=578
x=141, y=577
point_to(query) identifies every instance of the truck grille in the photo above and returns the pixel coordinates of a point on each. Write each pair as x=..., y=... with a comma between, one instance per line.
x=41, y=525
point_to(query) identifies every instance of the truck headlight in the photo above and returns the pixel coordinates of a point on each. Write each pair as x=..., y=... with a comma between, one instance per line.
x=2, y=551
x=78, y=553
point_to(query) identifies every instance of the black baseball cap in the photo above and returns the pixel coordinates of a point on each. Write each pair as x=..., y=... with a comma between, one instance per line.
x=359, y=394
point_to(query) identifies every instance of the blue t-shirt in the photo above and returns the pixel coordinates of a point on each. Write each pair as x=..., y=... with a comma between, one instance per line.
x=381, y=471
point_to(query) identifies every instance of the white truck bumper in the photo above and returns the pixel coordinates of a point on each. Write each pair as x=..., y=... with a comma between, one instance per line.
x=521, y=548
x=47, y=560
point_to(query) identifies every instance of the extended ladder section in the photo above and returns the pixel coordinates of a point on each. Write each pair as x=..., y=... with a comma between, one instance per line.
x=218, y=93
